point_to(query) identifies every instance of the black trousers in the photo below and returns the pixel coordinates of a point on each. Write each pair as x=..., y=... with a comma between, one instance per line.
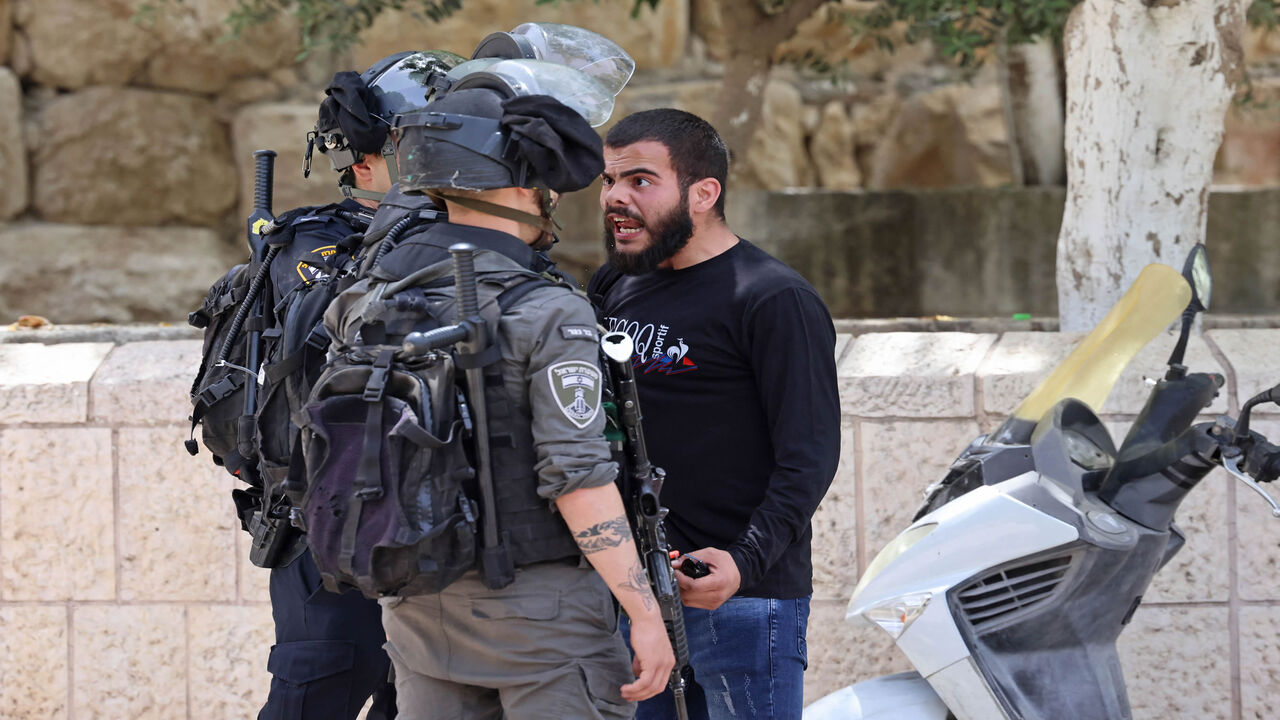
x=328, y=657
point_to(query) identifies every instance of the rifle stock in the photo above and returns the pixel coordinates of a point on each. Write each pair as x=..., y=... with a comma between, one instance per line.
x=640, y=483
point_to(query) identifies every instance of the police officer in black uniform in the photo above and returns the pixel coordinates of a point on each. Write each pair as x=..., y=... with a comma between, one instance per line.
x=328, y=658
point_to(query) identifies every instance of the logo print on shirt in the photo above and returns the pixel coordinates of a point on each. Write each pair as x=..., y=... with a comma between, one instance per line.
x=649, y=340
x=673, y=362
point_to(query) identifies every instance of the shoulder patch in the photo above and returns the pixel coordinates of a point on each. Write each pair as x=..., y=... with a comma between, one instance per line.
x=579, y=332
x=576, y=387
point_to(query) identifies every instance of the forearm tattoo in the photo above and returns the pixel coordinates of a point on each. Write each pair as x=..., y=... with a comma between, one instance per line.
x=605, y=535
x=637, y=582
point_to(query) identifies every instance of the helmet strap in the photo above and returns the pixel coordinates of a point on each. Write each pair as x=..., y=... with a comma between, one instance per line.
x=546, y=224
x=355, y=192
x=393, y=172
x=389, y=154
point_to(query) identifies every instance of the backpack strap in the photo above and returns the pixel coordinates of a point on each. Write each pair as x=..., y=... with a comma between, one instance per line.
x=317, y=340
x=507, y=299
x=368, y=483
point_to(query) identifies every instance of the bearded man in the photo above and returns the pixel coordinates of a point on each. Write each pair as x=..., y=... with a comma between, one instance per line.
x=735, y=362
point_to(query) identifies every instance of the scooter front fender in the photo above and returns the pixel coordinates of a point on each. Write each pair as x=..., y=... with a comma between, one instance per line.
x=905, y=696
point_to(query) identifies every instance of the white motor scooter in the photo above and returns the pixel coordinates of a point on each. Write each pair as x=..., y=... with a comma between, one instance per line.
x=1008, y=591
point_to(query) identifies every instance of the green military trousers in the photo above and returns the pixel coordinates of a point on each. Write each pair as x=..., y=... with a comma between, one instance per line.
x=546, y=647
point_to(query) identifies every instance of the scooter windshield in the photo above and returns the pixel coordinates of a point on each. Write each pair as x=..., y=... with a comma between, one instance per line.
x=1155, y=300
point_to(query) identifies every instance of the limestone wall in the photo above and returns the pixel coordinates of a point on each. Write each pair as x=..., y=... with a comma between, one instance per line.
x=125, y=591
x=128, y=136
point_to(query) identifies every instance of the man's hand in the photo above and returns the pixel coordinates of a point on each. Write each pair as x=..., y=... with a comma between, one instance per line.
x=653, y=659
x=710, y=592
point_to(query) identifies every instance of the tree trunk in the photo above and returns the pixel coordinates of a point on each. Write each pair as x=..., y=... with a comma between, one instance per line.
x=753, y=30
x=1033, y=100
x=1148, y=86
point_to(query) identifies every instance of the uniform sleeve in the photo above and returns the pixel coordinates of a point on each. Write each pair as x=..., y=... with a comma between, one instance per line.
x=565, y=390
x=792, y=349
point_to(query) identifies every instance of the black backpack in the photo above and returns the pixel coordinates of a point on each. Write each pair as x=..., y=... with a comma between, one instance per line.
x=388, y=499
x=291, y=282
x=217, y=393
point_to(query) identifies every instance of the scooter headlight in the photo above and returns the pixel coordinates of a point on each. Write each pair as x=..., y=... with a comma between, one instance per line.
x=896, y=615
x=895, y=548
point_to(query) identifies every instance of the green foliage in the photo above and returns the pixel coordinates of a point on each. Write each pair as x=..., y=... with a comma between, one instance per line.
x=636, y=5
x=330, y=24
x=1262, y=14
x=334, y=24
x=960, y=29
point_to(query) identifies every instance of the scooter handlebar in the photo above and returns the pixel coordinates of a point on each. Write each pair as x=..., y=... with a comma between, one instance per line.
x=1262, y=462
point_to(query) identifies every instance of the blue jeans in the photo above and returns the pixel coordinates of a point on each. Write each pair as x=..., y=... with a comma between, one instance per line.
x=748, y=658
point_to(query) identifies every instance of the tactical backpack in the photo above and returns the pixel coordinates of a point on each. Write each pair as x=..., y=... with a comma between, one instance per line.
x=390, y=495
x=294, y=285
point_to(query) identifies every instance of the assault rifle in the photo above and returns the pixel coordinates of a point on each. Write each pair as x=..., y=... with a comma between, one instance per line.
x=640, y=482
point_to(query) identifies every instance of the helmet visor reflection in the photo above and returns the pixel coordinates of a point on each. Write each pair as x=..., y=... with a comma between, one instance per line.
x=581, y=92
x=582, y=50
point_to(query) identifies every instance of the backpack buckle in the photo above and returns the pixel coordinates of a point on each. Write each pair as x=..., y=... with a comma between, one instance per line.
x=377, y=384
x=369, y=493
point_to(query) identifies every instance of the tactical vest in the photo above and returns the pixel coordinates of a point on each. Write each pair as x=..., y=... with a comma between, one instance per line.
x=533, y=532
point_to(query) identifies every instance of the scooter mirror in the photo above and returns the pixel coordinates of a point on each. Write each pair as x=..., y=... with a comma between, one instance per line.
x=1196, y=271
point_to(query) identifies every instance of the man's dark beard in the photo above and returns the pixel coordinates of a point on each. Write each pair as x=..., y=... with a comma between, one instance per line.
x=667, y=236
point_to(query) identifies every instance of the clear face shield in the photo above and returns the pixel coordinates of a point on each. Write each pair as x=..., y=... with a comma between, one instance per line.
x=579, y=91
x=567, y=45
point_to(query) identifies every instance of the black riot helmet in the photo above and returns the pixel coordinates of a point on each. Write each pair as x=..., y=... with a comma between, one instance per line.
x=515, y=123
x=356, y=116
x=485, y=136
x=519, y=114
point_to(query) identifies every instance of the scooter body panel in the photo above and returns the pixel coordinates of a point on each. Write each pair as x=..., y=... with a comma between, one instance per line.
x=905, y=696
x=983, y=529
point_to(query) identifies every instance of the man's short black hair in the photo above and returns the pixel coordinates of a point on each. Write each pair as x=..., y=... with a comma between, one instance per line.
x=696, y=149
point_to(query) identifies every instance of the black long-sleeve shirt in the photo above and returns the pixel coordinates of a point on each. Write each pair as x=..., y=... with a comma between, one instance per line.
x=736, y=371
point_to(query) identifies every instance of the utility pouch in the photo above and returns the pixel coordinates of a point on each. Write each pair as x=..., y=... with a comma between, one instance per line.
x=384, y=506
x=275, y=541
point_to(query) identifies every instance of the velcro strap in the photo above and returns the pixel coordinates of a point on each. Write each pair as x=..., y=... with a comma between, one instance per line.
x=377, y=383
x=348, y=549
x=275, y=373
x=488, y=356
x=318, y=338
x=512, y=295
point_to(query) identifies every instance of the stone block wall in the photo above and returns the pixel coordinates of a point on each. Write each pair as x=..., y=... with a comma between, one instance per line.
x=133, y=131
x=125, y=589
